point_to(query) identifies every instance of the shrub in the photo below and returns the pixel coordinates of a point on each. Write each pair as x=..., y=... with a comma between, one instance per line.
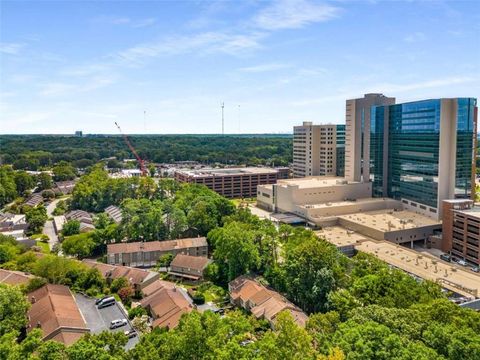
x=136, y=312
x=199, y=299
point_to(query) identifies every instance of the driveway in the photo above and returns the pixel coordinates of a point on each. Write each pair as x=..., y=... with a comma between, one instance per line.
x=98, y=320
x=49, y=230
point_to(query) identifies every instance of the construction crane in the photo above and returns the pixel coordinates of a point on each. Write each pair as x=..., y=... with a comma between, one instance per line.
x=141, y=162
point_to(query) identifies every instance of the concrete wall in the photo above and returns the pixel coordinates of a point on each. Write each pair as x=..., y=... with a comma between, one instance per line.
x=287, y=196
x=354, y=207
x=447, y=152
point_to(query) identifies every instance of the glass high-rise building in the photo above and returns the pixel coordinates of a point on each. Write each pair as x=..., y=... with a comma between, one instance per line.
x=423, y=152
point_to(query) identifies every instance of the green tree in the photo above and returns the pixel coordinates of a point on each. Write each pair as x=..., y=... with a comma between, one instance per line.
x=63, y=171
x=235, y=251
x=80, y=245
x=23, y=182
x=44, y=181
x=13, y=309
x=36, y=218
x=71, y=227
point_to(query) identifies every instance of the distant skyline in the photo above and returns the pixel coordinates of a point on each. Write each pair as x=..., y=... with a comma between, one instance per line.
x=82, y=65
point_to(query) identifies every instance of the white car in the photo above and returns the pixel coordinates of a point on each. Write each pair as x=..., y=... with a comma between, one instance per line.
x=118, y=323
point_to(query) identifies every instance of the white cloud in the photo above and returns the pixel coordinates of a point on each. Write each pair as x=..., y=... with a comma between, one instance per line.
x=11, y=48
x=388, y=89
x=207, y=42
x=123, y=20
x=293, y=14
x=264, y=68
x=415, y=37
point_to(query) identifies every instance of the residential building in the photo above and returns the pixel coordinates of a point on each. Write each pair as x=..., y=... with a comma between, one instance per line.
x=34, y=200
x=55, y=311
x=318, y=150
x=233, y=182
x=84, y=218
x=13, y=278
x=357, y=135
x=115, y=213
x=263, y=303
x=166, y=304
x=188, y=267
x=461, y=229
x=139, y=278
x=422, y=152
x=146, y=254
x=64, y=187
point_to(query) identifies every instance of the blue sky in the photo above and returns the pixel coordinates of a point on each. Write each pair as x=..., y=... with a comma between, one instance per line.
x=82, y=65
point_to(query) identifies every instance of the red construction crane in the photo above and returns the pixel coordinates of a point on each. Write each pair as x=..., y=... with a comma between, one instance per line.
x=141, y=162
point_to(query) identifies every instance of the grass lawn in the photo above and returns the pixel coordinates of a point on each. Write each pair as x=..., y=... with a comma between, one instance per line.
x=238, y=202
x=213, y=293
x=44, y=246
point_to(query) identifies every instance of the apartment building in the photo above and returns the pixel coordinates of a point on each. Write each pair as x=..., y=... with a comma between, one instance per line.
x=233, y=182
x=422, y=152
x=461, y=229
x=318, y=150
x=262, y=302
x=146, y=254
x=357, y=135
x=55, y=311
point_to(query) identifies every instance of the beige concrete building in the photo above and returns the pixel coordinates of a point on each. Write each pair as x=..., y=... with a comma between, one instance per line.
x=318, y=150
x=357, y=135
x=319, y=199
x=399, y=227
x=425, y=266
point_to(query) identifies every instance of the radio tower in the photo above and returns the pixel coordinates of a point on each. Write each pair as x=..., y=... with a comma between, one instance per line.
x=223, y=120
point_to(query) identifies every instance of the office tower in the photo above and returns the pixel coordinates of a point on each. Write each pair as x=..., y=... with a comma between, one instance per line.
x=315, y=149
x=340, y=147
x=422, y=152
x=357, y=135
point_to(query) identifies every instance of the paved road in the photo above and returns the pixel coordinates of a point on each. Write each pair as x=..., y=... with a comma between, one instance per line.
x=99, y=320
x=48, y=229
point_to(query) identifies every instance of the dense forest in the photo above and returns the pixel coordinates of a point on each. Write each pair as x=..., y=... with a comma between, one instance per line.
x=32, y=152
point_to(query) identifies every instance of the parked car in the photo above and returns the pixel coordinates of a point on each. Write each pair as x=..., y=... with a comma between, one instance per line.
x=109, y=301
x=475, y=269
x=118, y=323
x=462, y=262
x=446, y=257
x=130, y=333
x=100, y=300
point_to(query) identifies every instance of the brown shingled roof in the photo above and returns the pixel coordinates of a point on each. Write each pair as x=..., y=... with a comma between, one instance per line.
x=192, y=262
x=55, y=311
x=167, y=245
x=14, y=277
x=134, y=275
x=262, y=301
x=167, y=305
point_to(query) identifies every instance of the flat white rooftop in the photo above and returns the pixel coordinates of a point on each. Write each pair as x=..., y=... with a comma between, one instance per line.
x=426, y=266
x=390, y=220
x=227, y=171
x=333, y=204
x=315, y=182
x=340, y=236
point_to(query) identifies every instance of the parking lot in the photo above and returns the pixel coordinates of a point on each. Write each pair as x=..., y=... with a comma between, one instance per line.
x=99, y=320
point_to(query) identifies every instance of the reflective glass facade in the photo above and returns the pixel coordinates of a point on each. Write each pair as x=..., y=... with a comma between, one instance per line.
x=413, y=150
x=465, y=133
x=376, y=149
x=340, y=150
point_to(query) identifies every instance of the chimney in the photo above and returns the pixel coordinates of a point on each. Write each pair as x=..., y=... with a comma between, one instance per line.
x=33, y=300
x=39, y=325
